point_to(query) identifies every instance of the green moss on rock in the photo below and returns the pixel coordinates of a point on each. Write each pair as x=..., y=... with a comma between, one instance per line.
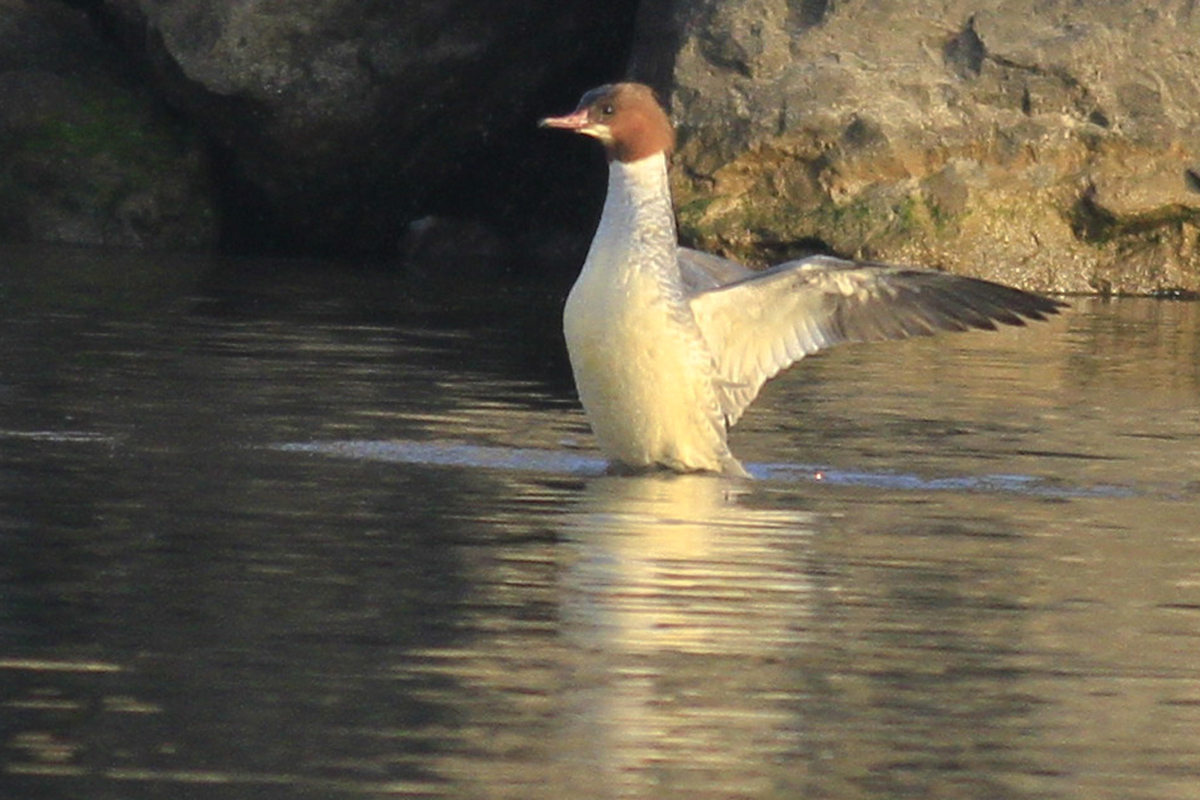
x=94, y=163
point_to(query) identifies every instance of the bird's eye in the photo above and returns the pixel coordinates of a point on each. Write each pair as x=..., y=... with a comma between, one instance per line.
x=607, y=109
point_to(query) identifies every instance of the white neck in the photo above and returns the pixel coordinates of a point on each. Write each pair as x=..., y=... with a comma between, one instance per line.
x=637, y=226
x=642, y=181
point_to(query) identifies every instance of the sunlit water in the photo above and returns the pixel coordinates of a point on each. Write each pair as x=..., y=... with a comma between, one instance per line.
x=299, y=534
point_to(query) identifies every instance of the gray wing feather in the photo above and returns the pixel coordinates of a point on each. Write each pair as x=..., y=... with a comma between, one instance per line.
x=701, y=271
x=758, y=323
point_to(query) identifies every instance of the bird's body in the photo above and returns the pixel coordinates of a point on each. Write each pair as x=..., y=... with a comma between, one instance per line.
x=642, y=367
x=669, y=346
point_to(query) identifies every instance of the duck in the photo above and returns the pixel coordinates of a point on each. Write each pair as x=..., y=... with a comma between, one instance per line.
x=669, y=345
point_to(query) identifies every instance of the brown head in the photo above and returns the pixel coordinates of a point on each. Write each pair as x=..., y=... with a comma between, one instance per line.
x=625, y=117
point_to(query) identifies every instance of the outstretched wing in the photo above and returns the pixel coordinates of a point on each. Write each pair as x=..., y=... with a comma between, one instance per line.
x=761, y=323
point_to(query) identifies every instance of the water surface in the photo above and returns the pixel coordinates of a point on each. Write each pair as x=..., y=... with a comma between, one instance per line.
x=277, y=530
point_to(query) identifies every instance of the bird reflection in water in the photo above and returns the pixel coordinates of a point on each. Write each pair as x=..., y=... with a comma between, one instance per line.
x=686, y=606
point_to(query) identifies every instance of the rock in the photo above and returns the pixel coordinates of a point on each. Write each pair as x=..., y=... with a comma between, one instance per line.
x=1035, y=143
x=344, y=120
x=85, y=157
x=1025, y=141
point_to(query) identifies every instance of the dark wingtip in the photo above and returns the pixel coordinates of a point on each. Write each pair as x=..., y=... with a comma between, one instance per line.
x=944, y=302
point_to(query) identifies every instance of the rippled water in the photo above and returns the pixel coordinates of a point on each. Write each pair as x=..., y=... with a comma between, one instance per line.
x=301, y=534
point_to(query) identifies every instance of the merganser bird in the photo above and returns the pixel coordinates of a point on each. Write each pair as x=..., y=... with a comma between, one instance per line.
x=670, y=345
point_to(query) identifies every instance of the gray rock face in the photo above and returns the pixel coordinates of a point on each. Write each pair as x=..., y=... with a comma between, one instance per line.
x=350, y=118
x=1051, y=144
x=1046, y=143
x=85, y=157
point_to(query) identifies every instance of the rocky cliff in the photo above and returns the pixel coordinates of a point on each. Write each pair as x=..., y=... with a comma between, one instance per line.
x=1045, y=143
x=1051, y=144
x=343, y=120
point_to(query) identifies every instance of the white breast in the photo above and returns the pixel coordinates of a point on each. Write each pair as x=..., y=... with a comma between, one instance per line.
x=643, y=372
